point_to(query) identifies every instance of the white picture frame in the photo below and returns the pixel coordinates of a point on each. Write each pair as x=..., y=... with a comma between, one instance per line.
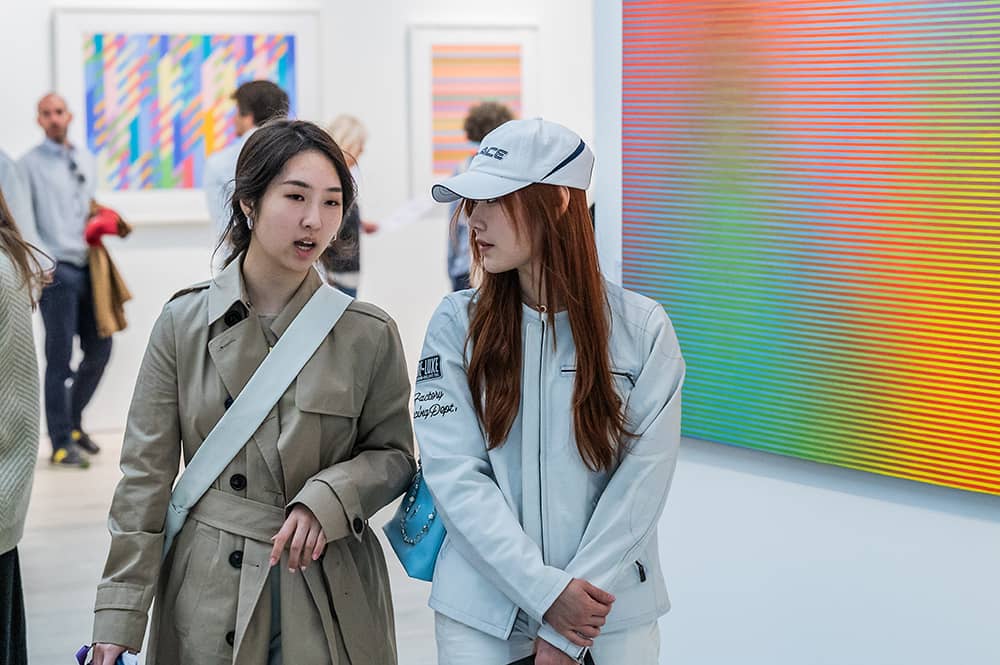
x=422, y=40
x=70, y=25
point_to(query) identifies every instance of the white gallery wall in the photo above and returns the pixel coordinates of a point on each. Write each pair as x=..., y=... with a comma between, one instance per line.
x=364, y=72
x=777, y=561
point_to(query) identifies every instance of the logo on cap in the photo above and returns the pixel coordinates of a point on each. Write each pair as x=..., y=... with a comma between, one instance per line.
x=494, y=152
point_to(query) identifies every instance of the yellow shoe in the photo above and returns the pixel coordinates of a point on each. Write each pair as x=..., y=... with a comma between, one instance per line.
x=69, y=457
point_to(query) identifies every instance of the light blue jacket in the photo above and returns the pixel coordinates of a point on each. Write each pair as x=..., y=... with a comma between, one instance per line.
x=62, y=180
x=526, y=518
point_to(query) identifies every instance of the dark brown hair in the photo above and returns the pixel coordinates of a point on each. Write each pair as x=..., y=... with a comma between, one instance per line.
x=262, y=100
x=262, y=159
x=21, y=253
x=570, y=275
x=483, y=118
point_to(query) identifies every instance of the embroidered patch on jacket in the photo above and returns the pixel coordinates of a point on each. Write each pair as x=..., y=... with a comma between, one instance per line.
x=429, y=368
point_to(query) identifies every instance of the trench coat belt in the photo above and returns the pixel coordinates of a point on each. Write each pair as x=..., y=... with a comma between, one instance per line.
x=239, y=516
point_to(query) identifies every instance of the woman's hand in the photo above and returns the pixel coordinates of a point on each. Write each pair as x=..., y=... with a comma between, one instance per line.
x=579, y=612
x=106, y=654
x=546, y=654
x=304, y=537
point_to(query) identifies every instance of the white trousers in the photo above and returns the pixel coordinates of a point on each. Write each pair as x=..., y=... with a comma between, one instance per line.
x=458, y=644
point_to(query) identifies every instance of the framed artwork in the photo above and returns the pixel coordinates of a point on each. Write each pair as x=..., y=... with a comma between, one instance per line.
x=453, y=69
x=151, y=94
x=823, y=234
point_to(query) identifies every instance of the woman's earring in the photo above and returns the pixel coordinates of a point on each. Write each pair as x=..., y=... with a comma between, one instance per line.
x=250, y=222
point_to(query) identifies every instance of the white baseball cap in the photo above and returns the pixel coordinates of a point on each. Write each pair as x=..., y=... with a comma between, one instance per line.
x=519, y=153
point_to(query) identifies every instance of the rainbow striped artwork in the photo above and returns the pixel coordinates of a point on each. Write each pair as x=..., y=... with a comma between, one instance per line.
x=812, y=190
x=158, y=104
x=464, y=75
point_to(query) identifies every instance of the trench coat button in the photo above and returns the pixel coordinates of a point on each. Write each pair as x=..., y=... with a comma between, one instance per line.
x=230, y=637
x=238, y=482
x=233, y=317
x=359, y=526
x=236, y=559
x=229, y=402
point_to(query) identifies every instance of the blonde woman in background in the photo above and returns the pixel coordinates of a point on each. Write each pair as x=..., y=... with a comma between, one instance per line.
x=343, y=267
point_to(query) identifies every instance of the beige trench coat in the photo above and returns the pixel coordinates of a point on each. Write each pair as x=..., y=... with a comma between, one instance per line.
x=339, y=441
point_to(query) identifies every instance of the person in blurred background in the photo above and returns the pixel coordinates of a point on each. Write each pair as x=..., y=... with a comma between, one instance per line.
x=63, y=179
x=481, y=120
x=256, y=103
x=17, y=192
x=342, y=266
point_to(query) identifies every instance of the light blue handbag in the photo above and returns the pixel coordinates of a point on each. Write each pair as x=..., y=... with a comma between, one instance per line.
x=416, y=532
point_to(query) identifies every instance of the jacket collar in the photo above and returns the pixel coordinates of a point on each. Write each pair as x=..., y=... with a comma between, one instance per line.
x=54, y=148
x=228, y=288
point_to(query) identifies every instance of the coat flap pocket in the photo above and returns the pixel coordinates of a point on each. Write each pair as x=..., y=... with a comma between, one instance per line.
x=329, y=400
x=119, y=596
x=328, y=384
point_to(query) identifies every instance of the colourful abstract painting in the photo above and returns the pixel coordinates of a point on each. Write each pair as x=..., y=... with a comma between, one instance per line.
x=812, y=190
x=464, y=75
x=157, y=105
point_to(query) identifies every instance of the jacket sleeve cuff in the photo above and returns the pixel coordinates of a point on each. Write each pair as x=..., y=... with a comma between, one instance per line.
x=123, y=627
x=326, y=505
x=556, y=639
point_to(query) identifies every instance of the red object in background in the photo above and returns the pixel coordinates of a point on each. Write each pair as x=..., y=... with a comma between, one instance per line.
x=104, y=222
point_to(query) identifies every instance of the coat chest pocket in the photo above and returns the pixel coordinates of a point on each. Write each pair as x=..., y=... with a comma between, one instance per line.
x=330, y=409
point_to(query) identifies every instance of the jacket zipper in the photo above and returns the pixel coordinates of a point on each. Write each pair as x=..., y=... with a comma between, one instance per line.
x=541, y=431
x=642, y=571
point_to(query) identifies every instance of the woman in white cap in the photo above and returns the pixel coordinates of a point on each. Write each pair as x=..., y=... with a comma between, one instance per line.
x=548, y=418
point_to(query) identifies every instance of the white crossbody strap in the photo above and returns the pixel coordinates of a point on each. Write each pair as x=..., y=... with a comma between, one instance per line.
x=268, y=383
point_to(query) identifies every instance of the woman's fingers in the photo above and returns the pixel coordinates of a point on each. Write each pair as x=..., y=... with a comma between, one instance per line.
x=303, y=535
x=281, y=538
x=310, y=546
x=298, y=540
x=320, y=546
x=106, y=654
x=578, y=639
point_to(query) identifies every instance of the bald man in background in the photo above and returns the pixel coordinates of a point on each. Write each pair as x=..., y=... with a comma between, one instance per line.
x=63, y=179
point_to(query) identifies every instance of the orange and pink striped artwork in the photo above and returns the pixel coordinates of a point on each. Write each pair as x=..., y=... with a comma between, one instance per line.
x=464, y=75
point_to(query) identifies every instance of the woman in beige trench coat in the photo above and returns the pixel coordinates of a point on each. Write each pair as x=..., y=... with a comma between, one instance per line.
x=276, y=563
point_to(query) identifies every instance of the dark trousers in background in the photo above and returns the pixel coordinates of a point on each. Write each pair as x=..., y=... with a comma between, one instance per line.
x=67, y=308
x=460, y=282
x=13, y=635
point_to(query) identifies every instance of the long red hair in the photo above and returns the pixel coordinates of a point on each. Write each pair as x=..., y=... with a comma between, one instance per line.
x=563, y=239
